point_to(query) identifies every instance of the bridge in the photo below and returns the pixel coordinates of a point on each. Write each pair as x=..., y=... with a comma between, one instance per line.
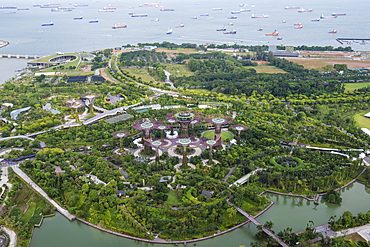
x=19, y=56
x=257, y=223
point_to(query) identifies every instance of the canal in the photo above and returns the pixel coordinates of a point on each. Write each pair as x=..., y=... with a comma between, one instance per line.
x=286, y=212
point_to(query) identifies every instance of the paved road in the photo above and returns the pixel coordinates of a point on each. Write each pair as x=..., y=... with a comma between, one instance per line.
x=363, y=231
x=43, y=193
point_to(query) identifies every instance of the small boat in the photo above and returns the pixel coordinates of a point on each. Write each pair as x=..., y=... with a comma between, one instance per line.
x=206, y=14
x=231, y=32
x=94, y=21
x=221, y=29
x=298, y=27
x=304, y=10
x=336, y=14
x=117, y=25
x=283, y=21
x=232, y=17
x=167, y=10
x=317, y=19
x=47, y=24
x=333, y=31
x=274, y=33
x=260, y=16
x=78, y=18
x=181, y=25
x=245, y=10
x=194, y=17
x=156, y=19
x=235, y=12
x=214, y=9
x=229, y=24
x=23, y=8
x=80, y=5
x=260, y=29
x=169, y=31
x=279, y=38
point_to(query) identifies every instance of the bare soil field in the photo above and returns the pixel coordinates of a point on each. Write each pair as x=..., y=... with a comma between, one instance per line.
x=313, y=63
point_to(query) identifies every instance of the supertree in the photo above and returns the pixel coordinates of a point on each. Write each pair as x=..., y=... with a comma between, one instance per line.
x=211, y=144
x=218, y=120
x=121, y=135
x=91, y=98
x=184, y=143
x=184, y=118
x=172, y=123
x=192, y=124
x=146, y=126
x=156, y=144
x=239, y=128
x=74, y=105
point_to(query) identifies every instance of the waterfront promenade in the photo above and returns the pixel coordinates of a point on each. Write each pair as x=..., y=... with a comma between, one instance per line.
x=29, y=181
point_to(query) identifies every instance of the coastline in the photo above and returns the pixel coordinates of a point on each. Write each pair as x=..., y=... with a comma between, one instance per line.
x=162, y=241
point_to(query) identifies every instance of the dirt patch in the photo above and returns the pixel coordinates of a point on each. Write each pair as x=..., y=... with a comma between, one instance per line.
x=313, y=63
x=261, y=62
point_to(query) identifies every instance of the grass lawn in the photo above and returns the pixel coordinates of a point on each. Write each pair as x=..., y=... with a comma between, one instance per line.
x=143, y=73
x=178, y=70
x=224, y=135
x=353, y=86
x=172, y=199
x=355, y=237
x=267, y=69
x=363, y=122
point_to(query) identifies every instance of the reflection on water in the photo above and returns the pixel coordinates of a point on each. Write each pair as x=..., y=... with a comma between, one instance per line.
x=286, y=212
x=8, y=67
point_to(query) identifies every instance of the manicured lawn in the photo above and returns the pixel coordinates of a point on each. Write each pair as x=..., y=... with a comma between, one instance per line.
x=141, y=73
x=172, y=199
x=178, y=70
x=267, y=69
x=354, y=86
x=362, y=121
x=224, y=135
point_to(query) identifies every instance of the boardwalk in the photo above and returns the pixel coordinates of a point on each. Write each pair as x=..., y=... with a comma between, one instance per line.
x=29, y=181
x=257, y=223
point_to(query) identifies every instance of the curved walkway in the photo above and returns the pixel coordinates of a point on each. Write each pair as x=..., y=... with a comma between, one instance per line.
x=12, y=236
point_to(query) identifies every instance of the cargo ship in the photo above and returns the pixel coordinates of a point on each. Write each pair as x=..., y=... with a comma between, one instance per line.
x=139, y=15
x=232, y=17
x=298, y=27
x=328, y=17
x=214, y=9
x=47, y=24
x=8, y=7
x=336, y=14
x=231, y=32
x=291, y=7
x=169, y=31
x=235, y=12
x=221, y=29
x=245, y=10
x=260, y=16
x=81, y=5
x=275, y=33
x=117, y=25
x=304, y=10
x=181, y=25
x=333, y=31
x=167, y=9
x=78, y=18
x=94, y=21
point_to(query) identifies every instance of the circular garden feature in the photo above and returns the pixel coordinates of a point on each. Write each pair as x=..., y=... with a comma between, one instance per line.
x=287, y=162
